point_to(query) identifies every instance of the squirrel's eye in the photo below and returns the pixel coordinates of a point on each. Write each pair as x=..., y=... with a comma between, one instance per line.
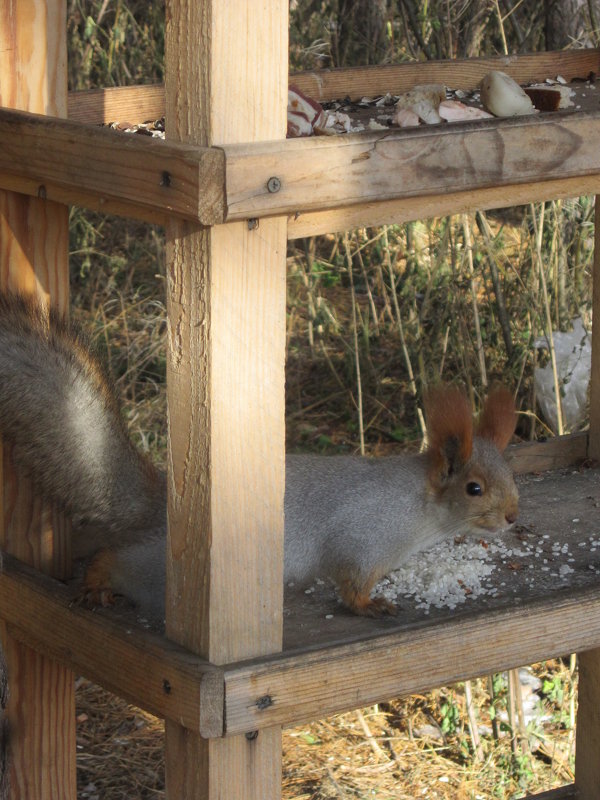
x=474, y=489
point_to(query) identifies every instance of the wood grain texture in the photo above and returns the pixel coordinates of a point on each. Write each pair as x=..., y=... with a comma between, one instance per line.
x=33, y=258
x=141, y=103
x=395, y=212
x=372, y=81
x=108, y=171
x=562, y=451
x=226, y=308
x=143, y=667
x=328, y=172
x=570, y=792
x=587, y=758
x=594, y=446
x=318, y=681
x=117, y=104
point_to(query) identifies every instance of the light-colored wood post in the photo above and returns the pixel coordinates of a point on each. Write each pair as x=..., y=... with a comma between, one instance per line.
x=33, y=258
x=587, y=755
x=587, y=751
x=226, y=82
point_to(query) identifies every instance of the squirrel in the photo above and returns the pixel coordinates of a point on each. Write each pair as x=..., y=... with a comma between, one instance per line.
x=349, y=518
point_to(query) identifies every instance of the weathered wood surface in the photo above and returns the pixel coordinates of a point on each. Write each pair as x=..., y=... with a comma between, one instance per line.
x=117, y=104
x=141, y=103
x=372, y=81
x=33, y=258
x=327, y=183
x=555, y=453
x=110, y=172
x=395, y=212
x=333, y=661
x=331, y=172
x=141, y=666
x=587, y=757
x=570, y=792
x=595, y=372
x=225, y=384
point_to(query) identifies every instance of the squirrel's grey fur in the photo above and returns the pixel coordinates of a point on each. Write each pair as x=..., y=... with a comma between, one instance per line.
x=349, y=518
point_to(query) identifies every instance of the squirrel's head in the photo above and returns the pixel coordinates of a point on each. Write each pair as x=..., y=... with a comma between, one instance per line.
x=467, y=473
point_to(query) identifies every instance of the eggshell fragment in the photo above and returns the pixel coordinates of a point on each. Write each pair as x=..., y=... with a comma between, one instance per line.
x=424, y=101
x=455, y=111
x=405, y=118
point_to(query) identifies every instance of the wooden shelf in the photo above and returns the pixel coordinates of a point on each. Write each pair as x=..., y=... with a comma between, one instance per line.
x=142, y=103
x=98, y=168
x=326, y=183
x=341, y=662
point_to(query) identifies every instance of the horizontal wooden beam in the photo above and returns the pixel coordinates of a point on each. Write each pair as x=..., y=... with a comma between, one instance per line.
x=144, y=668
x=569, y=792
x=322, y=183
x=301, y=175
x=101, y=169
x=117, y=104
x=141, y=103
x=395, y=212
x=561, y=451
x=315, y=682
x=357, y=82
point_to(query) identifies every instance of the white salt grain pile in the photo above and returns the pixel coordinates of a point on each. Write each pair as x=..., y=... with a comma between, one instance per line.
x=446, y=575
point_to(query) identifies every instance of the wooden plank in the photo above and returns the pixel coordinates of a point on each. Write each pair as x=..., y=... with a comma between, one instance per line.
x=594, y=446
x=132, y=663
x=146, y=669
x=142, y=103
x=587, y=761
x=561, y=451
x=358, y=82
x=570, y=792
x=226, y=306
x=117, y=104
x=33, y=258
x=329, y=172
x=100, y=169
x=395, y=212
x=318, y=681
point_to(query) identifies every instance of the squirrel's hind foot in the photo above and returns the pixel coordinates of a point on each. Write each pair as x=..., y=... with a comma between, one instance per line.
x=360, y=602
x=96, y=589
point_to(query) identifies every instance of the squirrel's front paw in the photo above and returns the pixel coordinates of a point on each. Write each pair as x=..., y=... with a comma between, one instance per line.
x=359, y=601
x=96, y=589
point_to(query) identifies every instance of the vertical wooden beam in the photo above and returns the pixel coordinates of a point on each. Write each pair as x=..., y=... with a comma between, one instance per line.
x=594, y=435
x=587, y=750
x=33, y=258
x=587, y=753
x=226, y=82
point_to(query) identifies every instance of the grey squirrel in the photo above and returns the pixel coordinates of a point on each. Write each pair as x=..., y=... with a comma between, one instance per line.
x=352, y=519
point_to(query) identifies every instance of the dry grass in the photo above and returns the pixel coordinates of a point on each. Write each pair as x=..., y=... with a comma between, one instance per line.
x=405, y=749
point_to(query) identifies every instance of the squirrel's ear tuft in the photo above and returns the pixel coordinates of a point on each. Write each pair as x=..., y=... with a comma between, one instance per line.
x=449, y=430
x=498, y=418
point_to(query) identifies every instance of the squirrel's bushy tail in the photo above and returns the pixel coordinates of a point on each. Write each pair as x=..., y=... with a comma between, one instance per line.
x=58, y=410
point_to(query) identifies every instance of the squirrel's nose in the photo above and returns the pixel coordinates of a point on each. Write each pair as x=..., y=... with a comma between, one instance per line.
x=511, y=517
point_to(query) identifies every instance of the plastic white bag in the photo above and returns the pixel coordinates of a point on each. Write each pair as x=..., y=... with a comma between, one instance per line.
x=573, y=362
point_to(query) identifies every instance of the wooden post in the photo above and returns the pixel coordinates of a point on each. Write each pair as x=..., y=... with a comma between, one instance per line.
x=33, y=258
x=587, y=753
x=226, y=82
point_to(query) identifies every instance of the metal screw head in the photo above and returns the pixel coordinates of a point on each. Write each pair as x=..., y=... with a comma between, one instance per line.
x=273, y=185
